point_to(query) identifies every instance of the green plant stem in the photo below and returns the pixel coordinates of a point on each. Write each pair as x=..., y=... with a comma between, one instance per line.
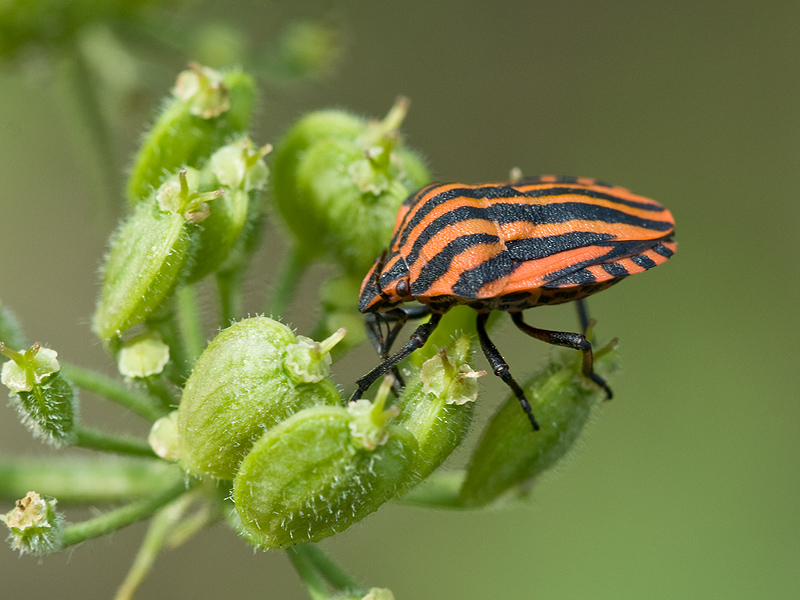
x=160, y=527
x=106, y=442
x=294, y=265
x=189, y=322
x=332, y=572
x=121, y=517
x=158, y=388
x=440, y=490
x=309, y=575
x=93, y=139
x=229, y=284
x=168, y=327
x=113, y=390
x=78, y=479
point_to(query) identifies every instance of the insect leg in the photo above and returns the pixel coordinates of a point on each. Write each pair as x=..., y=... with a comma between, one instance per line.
x=583, y=315
x=500, y=368
x=569, y=340
x=417, y=340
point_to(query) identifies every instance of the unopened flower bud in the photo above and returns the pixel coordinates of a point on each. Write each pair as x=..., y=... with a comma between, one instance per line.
x=143, y=356
x=338, y=183
x=438, y=403
x=164, y=438
x=245, y=382
x=36, y=528
x=207, y=108
x=510, y=456
x=45, y=401
x=320, y=471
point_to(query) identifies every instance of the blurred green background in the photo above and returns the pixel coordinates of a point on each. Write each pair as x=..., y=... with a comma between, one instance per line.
x=687, y=486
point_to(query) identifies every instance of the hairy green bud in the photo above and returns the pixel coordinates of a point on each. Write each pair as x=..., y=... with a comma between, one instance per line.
x=149, y=254
x=35, y=526
x=338, y=183
x=240, y=171
x=207, y=108
x=252, y=376
x=45, y=401
x=510, y=457
x=438, y=403
x=320, y=471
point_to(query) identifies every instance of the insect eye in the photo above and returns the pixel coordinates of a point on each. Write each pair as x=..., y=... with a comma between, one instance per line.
x=402, y=288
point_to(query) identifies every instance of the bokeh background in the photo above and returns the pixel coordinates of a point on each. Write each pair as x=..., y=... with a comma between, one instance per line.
x=687, y=485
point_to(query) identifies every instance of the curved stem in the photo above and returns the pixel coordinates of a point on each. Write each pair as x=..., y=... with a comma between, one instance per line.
x=121, y=517
x=294, y=265
x=309, y=575
x=113, y=390
x=189, y=322
x=106, y=442
x=91, y=479
x=160, y=527
x=229, y=284
x=332, y=572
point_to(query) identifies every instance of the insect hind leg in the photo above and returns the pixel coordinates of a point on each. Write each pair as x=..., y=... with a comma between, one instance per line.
x=575, y=341
x=500, y=368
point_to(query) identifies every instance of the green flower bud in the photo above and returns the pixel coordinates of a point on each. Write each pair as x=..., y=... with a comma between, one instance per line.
x=45, y=401
x=437, y=405
x=10, y=330
x=149, y=254
x=372, y=594
x=510, y=457
x=239, y=170
x=36, y=528
x=143, y=356
x=252, y=376
x=320, y=471
x=207, y=107
x=339, y=181
x=164, y=438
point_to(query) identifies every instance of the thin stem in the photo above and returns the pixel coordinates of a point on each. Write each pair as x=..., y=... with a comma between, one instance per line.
x=121, y=517
x=107, y=442
x=160, y=527
x=113, y=390
x=168, y=327
x=158, y=388
x=440, y=490
x=93, y=140
x=309, y=575
x=229, y=284
x=332, y=572
x=189, y=322
x=294, y=265
x=78, y=479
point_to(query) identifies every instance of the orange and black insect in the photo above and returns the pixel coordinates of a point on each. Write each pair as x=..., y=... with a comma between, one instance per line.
x=511, y=246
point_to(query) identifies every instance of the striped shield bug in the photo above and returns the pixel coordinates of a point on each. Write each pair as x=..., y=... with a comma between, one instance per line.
x=510, y=246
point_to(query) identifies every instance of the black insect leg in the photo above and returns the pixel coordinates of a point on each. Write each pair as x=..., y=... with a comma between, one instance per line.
x=500, y=368
x=383, y=344
x=583, y=315
x=418, y=339
x=569, y=340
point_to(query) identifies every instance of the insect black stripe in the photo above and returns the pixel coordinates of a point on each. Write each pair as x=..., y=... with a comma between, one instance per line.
x=616, y=251
x=440, y=264
x=472, y=280
x=536, y=214
x=643, y=261
x=615, y=269
x=662, y=250
x=579, y=277
x=533, y=248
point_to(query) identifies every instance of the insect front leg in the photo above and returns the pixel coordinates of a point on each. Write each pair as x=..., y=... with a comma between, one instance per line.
x=417, y=340
x=500, y=368
x=576, y=341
